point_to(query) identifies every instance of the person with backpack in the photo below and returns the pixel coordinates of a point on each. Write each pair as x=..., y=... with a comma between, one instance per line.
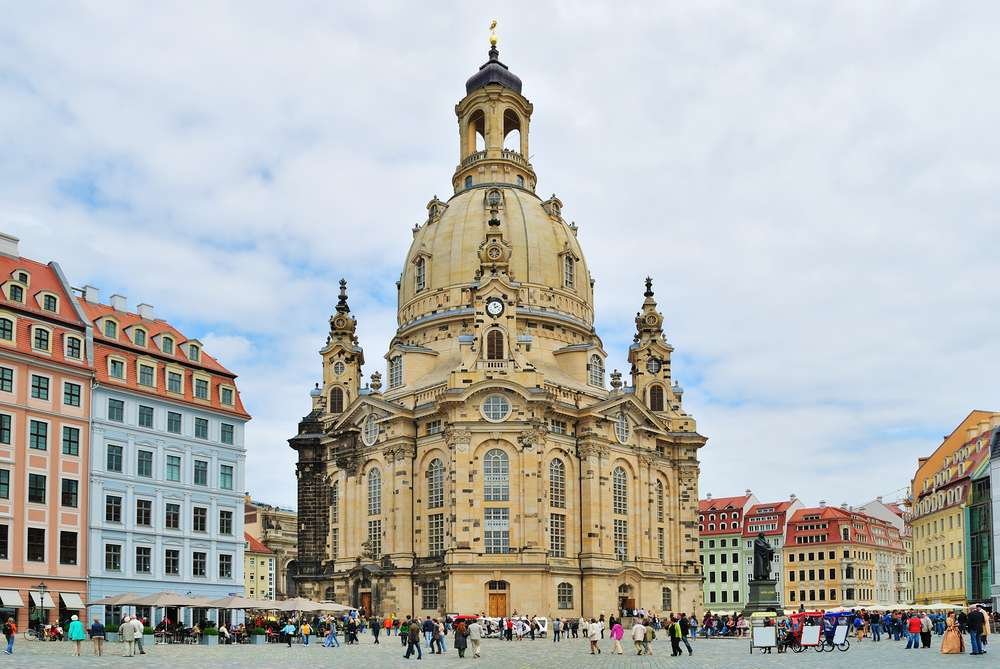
x=413, y=641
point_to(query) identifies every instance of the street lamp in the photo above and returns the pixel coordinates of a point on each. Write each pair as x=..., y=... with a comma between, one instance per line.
x=42, y=589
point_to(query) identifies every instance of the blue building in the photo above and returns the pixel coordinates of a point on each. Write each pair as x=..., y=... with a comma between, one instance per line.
x=167, y=465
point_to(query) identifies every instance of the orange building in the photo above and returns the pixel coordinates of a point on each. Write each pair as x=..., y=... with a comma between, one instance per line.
x=46, y=359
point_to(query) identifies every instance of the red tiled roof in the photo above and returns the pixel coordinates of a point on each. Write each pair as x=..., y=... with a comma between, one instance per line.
x=255, y=546
x=836, y=519
x=776, y=509
x=127, y=320
x=722, y=503
x=43, y=278
x=123, y=347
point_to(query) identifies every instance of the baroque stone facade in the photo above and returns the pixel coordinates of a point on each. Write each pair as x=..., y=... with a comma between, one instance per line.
x=496, y=471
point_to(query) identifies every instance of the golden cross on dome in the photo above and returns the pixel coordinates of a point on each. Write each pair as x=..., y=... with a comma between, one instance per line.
x=493, y=32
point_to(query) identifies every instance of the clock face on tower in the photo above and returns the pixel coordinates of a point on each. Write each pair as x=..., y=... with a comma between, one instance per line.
x=653, y=365
x=494, y=307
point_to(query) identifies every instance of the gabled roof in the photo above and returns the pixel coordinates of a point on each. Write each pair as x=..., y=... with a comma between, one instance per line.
x=43, y=278
x=722, y=503
x=255, y=546
x=153, y=327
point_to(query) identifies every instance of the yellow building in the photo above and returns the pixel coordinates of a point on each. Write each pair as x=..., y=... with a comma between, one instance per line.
x=940, y=492
x=497, y=471
x=277, y=529
x=258, y=569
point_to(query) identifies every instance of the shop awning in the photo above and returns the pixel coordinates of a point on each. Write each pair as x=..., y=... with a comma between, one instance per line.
x=72, y=601
x=11, y=598
x=46, y=602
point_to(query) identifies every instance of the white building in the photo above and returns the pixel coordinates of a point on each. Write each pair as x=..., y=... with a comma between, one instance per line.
x=893, y=572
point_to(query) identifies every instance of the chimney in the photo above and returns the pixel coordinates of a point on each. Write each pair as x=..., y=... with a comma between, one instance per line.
x=118, y=302
x=8, y=245
x=792, y=497
x=878, y=499
x=748, y=492
x=91, y=294
x=146, y=311
x=709, y=497
x=822, y=504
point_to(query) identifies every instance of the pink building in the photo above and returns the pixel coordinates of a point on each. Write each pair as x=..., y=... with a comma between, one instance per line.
x=46, y=370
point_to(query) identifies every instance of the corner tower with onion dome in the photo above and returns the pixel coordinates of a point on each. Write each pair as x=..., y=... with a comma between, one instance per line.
x=494, y=470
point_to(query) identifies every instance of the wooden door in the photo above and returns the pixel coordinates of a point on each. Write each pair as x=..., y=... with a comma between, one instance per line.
x=366, y=603
x=498, y=605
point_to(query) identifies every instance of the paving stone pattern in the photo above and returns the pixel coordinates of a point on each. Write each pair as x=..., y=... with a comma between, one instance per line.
x=542, y=653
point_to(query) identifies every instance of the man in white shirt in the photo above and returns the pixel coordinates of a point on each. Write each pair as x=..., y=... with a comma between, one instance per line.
x=475, y=636
x=594, y=634
x=638, y=635
x=139, y=627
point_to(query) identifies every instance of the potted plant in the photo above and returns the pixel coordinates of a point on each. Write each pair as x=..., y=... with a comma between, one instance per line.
x=210, y=636
x=148, y=636
x=259, y=635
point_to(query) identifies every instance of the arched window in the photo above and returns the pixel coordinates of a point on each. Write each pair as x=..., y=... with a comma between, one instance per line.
x=569, y=271
x=336, y=400
x=564, y=596
x=557, y=484
x=468, y=181
x=328, y=594
x=659, y=501
x=395, y=371
x=6, y=329
x=622, y=428
x=656, y=398
x=596, y=370
x=619, y=491
x=494, y=345
x=435, y=484
x=667, y=601
x=420, y=276
x=374, y=492
x=335, y=503
x=496, y=476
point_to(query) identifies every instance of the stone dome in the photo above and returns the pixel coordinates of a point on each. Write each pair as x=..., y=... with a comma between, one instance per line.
x=447, y=251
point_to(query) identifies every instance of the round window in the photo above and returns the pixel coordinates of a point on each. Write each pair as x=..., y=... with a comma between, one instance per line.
x=496, y=408
x=370, y=433
x=622, y=428
x=338, y=368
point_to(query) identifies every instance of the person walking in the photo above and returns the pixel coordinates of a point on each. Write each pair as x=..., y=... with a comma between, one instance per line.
x=875, y=625
x=289, y=631
x=9, y=631
x=126, y=632
x=556, y=630
x=461, y=637
x=413, y=641
x=594, y=634
x=952, y=642
x=97, y=635
x=685, y=629
x=674, y=632
x=435, y=637
x=926, y=627
x=976, y=622
x=442, y=636
x=475, y=637
x=76, y=634
x=330, y=640
x=913, y=631
x=375, y=626
x=647, y=640
x=638, y=634
x=617, y=632
x=140, y=629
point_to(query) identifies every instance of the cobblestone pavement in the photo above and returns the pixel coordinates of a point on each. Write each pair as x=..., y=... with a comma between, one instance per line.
x=708, y=654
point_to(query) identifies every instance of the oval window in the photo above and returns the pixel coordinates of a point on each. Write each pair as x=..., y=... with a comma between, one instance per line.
x=370, y=433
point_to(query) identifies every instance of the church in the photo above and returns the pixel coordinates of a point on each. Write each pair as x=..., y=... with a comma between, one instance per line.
x=495, y=469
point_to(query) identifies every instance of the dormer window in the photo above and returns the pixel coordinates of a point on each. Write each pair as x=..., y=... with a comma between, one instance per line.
x=194, y=353
x=40, y=340
x=168, y=345
x=111, y=329
x=569, y=271
x=23, y=277
x=50, y=303
x=16, y=294
x=226, y=396
x=139, y=337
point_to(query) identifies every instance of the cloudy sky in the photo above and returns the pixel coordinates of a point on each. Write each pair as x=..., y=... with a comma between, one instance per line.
x=813, y=187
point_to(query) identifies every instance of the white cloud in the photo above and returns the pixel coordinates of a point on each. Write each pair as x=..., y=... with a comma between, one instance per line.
x=812, y=187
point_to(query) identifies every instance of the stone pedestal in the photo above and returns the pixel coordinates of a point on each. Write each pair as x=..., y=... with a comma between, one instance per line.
x=763, y=597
